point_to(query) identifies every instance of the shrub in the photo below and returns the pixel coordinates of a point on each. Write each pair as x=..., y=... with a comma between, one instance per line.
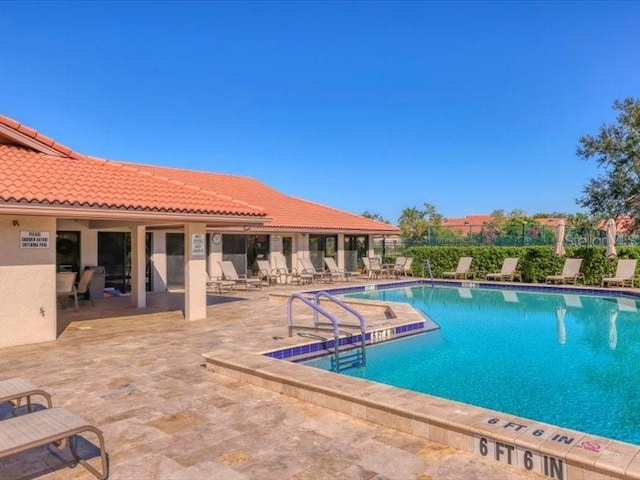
x=536, y=262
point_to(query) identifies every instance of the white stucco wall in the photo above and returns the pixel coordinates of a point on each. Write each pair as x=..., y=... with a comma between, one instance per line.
x=27, y=283
x=159, y=261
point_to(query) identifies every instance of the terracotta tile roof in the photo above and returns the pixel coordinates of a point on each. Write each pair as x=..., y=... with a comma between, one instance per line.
x=35, y=178
x=623, y=224
x=286, y=213
x=468, y=224
x=34, y=175
x=31, y=133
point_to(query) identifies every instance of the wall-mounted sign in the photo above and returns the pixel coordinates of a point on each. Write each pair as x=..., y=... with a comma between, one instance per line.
x=197, y=244
x=34, y=239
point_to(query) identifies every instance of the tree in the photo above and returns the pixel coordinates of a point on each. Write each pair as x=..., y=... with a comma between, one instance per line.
x=413, y=224
x=616, y=148
x=374, y=216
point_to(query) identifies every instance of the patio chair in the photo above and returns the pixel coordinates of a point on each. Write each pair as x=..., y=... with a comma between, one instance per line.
x=462, y=270
x=398, y=266
x=375, y=267
x=309, y=269
x=266, y=273
x=570, y=272
x=44, y=427
x=625, y=274
x=507, y=272
x=406, y=269
x=66, y=288
x=13, y=390
x=229, y=273
x=82, y=288
x=366, y=267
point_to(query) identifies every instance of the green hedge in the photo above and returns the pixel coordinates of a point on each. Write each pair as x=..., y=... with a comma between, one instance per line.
x=536, y=262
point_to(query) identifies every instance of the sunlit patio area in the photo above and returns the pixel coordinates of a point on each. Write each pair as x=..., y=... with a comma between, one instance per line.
x=140, y=377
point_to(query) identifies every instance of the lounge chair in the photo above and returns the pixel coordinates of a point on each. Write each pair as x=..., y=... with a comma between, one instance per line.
x=625, y=274
x=309, y=269
x=15, y=389
x=66, y=288
x=570, y=272
x=52, y=425
x=229, y=273
x=267, y=274
x=287, y=276
x=507, y=272
x=462, y=270
x=336, y=272
x=219, y=285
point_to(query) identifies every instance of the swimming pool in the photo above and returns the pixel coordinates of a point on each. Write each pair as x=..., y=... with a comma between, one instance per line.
x=565, y=359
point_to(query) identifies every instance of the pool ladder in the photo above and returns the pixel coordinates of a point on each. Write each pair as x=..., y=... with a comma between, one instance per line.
x=341, y=358
x=426, y=265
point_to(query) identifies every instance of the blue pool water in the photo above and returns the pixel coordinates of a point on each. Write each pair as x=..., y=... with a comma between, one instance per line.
x=568, y=360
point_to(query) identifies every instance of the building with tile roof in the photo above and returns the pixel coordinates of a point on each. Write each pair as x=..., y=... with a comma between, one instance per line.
x=143, y=228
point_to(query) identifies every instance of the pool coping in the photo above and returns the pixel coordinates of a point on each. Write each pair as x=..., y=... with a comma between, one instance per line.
x=550, y=450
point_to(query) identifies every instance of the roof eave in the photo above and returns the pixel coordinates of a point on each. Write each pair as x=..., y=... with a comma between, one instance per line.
x=80, y=213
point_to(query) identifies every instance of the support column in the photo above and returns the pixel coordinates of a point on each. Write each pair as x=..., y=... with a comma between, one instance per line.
x=370, y=249
x=138, y=267
x=195, y=262
x=340, y=251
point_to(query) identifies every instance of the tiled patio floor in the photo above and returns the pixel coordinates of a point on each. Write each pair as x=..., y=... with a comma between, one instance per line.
x=141, y=379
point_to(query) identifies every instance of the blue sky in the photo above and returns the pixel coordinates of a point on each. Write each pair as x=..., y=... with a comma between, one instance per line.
x=378, y=106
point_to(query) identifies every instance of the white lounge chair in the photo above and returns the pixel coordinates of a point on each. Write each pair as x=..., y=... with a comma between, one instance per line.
x=335, y=272
x=507, y=272
x=15, y=389
x=625, y=274
x=288, y=276
x=219, y=285
x=570, y=272
x=307, y=268
x=229, y=273
x=267, y=274
x=52, y=425
x=462, y=270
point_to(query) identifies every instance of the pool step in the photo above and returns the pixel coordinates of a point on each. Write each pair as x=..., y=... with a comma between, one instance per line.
x=351, y=359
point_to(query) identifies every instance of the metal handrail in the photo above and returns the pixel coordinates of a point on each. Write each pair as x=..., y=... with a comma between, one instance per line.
x=427, y=262
x=348, y=308
x=354, y=312
x=317, y=309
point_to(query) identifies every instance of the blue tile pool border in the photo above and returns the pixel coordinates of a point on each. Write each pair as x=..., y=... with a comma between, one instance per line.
x=321, y=347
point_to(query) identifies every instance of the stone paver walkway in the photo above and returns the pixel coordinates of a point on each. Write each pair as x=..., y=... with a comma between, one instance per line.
x=141, y=379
